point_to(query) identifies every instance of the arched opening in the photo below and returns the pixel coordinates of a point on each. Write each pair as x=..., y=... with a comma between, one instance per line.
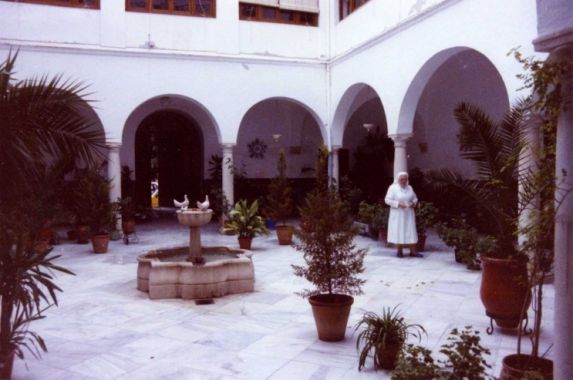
x=168, y=151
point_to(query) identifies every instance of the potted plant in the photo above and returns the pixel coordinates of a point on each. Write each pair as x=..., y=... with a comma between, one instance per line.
x=495, y=148
x=43, y=120
x=425, y=216
x=332, y=263
x=383, y=337
x=280, y=203
x=380, y=223
x=464, y=359
x=93, y=204
x=244, y=220
x=542, y=192
x=466, y=241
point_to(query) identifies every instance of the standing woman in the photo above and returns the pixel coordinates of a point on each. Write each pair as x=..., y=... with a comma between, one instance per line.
x=402, y=220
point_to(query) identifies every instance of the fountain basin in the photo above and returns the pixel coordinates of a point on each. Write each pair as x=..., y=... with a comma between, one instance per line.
x=225, y=271
x=194, y=217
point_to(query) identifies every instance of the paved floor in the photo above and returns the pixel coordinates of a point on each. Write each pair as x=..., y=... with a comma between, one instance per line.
x=104, y=328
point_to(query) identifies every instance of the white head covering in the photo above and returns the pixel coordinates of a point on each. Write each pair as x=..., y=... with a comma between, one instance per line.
x=400, y=174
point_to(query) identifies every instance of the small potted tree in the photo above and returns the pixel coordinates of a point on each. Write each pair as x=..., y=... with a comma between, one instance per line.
x=279, y=202
x=332, y=263
x=383, y=337
x=244, y=220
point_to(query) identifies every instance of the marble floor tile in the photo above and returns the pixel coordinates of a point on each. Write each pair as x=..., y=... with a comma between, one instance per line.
x=105, y=328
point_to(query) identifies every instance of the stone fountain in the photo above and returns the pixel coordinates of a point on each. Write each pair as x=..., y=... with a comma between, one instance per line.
x=194, y=271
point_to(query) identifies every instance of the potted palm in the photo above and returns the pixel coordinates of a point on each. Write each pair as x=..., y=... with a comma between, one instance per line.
x=244, y=220
x=495, y=148
x=332, y=263
x=43, y=120
x=383, y=337
x=279, y=202
x=542, y=192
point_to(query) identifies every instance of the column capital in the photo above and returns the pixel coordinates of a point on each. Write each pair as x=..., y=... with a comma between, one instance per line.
x=400, y=139
x=113, y=145
x=228, y=146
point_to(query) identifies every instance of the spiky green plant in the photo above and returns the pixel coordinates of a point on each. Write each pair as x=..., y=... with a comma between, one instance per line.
x=381, y=331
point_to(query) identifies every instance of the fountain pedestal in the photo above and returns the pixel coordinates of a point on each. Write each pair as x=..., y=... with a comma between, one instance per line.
x=194, y=219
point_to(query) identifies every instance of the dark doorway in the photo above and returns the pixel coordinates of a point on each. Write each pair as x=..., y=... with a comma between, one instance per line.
x=168, y=150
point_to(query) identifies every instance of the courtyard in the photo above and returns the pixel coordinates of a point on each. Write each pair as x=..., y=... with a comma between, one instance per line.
x=104, y=328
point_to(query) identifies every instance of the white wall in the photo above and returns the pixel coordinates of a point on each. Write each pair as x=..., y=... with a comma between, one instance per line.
x=390, y=63
x=113, y=27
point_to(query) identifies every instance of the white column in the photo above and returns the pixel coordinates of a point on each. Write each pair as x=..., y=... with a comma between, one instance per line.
x=114, y=176
x=227, y=172
x=335, y=175
x=400, y=154
x=564, y=229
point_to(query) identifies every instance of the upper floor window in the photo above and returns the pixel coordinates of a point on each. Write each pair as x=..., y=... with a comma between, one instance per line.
x=93, y=4
x=349, y=6
x=205, y=8
x=299, y=12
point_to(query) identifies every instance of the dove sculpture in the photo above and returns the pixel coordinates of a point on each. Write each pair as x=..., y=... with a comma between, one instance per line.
x=182, y=205
x=203, y=206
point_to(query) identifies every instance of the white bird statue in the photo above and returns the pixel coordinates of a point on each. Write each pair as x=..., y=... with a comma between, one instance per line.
x=182, y=205
x=203, y=206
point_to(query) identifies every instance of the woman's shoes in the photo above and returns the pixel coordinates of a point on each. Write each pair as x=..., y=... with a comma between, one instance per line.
x=399, y=254
x=416, y=255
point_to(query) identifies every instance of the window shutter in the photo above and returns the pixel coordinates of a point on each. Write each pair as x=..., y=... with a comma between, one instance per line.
x=267, y=3
x=310, y=6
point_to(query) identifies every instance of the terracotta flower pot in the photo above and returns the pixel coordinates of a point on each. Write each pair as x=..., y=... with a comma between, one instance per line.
x=504, y=290
x=100, y=242
x=245, y=243
x=284, y=234
x=128, y=226
x=388, y=355
x=331, y=313
x=83, y=234
x=515, y=366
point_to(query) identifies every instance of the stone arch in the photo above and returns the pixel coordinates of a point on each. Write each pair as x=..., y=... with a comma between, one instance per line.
x=195, y=136
x=272, y=124
x=446, y=79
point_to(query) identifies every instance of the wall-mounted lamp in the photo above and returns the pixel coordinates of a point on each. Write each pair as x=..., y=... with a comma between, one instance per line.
x=276, y=137
x=368, y=126
x=150, y=44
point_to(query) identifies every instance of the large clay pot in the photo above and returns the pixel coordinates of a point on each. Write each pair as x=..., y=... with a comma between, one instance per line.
x=388, y=355
x=504, y=291
x=515, y=366
x=6, y=364
x=331, y=313
x=245, y=243
x=284, y=234
x=100, y=242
